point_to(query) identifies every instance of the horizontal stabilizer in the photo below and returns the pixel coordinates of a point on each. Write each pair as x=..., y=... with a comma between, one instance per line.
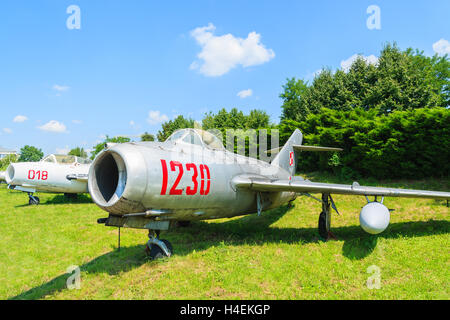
x=307, y=148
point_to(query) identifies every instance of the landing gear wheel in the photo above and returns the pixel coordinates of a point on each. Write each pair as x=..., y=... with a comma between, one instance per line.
x=155, y=252
x=33, y=200
x=323, y=232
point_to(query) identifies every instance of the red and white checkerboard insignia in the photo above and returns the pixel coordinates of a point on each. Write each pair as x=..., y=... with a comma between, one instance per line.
x=291, y=158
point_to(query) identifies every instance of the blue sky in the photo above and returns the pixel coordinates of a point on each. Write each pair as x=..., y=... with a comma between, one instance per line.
x=133, y=64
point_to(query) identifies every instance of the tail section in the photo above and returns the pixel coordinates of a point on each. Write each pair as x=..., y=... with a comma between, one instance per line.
x=288, y=155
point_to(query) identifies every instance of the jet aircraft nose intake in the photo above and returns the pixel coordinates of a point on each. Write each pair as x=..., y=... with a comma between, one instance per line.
x=9, y=174
x=109, y=178
x=113, y=178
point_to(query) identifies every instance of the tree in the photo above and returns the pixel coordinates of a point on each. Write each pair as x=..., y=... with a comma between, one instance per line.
x=30, y=153
x=399, y=80
x=293, y=106
x=258, y=119
x=170, y=126
x=7, y=160
x=99, y=147
x=79, y=152
x=147, y=137
x=235, y=119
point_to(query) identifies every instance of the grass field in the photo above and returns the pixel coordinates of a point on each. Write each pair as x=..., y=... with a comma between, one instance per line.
x=275, y=256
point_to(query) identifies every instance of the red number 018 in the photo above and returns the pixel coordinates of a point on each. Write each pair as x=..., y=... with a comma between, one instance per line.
x=38, y=175
x=175, y=166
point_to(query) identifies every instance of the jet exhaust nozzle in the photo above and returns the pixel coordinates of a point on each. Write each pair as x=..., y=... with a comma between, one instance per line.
x=374, y=217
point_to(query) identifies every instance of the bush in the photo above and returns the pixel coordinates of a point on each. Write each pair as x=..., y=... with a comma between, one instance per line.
x=411, y=144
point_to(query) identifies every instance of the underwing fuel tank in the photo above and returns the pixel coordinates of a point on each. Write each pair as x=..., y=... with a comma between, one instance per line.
x=374, y=217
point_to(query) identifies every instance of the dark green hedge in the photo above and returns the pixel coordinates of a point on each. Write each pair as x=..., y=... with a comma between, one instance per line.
x=408, y=144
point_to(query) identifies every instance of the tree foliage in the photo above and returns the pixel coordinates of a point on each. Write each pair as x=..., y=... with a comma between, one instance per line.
x=241, y=123
x=100, y=146
x=147, y=137
x=391, y=118
x=79, y=152
x=30, y=153
x=170, y=126
x=7, y=160
x=412, y=143
x=235, y=119
x=400, y=80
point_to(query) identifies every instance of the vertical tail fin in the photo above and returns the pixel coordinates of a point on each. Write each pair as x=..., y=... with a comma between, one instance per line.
x=288, y=155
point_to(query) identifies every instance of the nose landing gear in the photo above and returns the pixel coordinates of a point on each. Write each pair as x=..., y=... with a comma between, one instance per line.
x=156, y=248
x=32, y=200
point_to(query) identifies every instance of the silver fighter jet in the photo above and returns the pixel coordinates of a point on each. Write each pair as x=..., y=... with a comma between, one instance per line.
x=191, y=176
x=54, y=174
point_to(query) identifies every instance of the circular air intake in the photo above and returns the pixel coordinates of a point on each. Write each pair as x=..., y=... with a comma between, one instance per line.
x=107, y=178
x=9, y=176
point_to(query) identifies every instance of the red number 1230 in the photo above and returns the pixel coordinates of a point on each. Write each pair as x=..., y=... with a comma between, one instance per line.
x=205, y=178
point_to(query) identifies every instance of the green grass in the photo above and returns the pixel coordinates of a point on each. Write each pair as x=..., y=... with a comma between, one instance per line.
x=275, y=256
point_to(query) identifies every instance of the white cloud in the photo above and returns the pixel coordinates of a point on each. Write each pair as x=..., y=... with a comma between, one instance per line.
x=64, y=150
x=59, y=88
x=20, y=118
x=132, y=123
x=53, y=126
x=222, y=53
x=346, y=64
x=245, y=93
x=155, y=117
x=77, y=121
x=7, y=130
x=441, y=47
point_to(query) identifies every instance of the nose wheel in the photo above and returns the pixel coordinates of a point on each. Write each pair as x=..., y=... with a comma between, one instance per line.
x=156, y=248
x=32, y=200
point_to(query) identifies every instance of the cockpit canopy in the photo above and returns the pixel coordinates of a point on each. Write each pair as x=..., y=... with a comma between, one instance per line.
x=196, y=137
x=65, y=159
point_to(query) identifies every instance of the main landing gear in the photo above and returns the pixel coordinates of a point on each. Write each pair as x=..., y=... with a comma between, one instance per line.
x=33, y=200
x=156, y=248
x=325, y=218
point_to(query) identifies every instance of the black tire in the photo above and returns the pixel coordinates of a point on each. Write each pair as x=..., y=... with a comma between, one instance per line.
x=34, y=201
x=156, y=252
x=323, y=233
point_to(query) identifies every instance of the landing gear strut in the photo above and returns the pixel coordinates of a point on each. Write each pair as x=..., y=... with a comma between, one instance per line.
x=325, y=219
x=32, y=200
x=156, y=248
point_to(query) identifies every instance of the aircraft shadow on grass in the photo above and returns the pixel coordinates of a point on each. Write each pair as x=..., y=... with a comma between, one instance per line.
x=61, y=199
x=249, y=229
